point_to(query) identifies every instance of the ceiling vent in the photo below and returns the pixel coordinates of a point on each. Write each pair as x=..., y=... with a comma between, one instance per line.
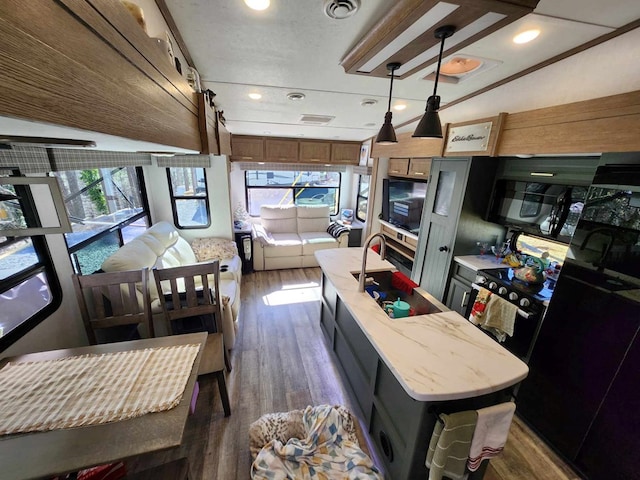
x=316, y=119
x=340, y=9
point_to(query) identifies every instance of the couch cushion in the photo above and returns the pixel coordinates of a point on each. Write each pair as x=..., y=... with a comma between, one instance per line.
x=284, y=245
x=166, y=233
x=314, y=241
x=313, y=219
x=276, y=219
x=183, y=252
x=135, y=255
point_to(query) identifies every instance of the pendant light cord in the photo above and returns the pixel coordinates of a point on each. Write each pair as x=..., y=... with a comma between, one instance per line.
x=435, y=85
x=390, y=90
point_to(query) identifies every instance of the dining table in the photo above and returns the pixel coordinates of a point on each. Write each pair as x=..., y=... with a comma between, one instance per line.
x=42, y=454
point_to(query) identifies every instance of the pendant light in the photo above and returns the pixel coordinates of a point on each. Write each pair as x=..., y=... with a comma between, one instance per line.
x=430, y=126
x=387, y=135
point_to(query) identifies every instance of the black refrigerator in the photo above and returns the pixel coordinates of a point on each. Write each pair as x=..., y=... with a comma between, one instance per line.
x=582, y=395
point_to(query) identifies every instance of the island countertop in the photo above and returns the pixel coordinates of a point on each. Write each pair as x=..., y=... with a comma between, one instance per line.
x=435, y=357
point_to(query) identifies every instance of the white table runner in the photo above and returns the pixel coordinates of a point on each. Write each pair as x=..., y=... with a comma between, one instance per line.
x=92, y=389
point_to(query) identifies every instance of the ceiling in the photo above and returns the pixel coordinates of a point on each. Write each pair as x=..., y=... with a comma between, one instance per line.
x=294, y=47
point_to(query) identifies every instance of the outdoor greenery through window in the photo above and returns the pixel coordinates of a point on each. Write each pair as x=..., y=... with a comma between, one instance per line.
x=189, y=200
x=294, y=187
x=362, y=199
x=29, y=289
x=106, y=207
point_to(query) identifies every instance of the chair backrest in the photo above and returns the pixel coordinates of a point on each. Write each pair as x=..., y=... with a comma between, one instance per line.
x=189, y=291
x=111, y=299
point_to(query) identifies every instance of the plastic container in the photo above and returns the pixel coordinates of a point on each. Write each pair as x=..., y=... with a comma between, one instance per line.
x=400, y=309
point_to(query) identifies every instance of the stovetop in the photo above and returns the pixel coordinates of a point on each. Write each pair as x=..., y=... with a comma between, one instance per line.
x=504, y=276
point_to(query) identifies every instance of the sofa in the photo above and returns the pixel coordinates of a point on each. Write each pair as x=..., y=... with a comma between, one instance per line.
x=161, y=246
x=288, y=236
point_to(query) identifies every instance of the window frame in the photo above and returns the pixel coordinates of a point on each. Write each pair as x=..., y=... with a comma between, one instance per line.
x=293, y=188
x=117, y=227
x=44, y=266
x=173, y=198
x=359, y=197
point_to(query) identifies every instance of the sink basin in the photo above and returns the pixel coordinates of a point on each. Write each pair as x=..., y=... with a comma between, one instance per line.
x=420, y=304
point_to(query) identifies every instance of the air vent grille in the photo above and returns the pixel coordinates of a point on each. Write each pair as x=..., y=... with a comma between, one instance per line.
x=316, y=119
x=340, y=9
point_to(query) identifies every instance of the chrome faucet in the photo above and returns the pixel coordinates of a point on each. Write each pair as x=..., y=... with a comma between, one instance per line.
x=383, y=247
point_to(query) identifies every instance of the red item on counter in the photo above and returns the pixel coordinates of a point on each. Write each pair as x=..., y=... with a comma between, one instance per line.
x=401, y=282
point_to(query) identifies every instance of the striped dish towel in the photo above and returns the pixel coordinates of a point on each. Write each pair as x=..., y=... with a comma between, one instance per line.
x=449, y=446
x=490, y=436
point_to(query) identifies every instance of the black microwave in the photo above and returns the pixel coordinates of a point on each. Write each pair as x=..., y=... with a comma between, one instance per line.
x=546, y=210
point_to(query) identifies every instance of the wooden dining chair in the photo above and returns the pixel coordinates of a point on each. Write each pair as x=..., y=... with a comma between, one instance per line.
x=187, y=293
x=109, y=301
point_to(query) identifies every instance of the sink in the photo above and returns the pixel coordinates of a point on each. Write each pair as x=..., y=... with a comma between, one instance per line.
x=421, y=304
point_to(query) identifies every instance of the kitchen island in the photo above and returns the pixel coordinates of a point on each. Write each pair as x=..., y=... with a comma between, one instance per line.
x=403, y=372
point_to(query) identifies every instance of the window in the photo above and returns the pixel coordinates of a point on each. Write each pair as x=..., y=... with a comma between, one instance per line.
x=107, y=207
x=29, y=288
x=362, y=198
x=291, y=188
x=189, y=199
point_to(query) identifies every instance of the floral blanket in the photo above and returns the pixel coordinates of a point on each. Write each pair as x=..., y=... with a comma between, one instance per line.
x=324, y=455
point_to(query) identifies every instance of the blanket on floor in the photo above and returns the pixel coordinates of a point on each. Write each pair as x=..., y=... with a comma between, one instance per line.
x=325, y=454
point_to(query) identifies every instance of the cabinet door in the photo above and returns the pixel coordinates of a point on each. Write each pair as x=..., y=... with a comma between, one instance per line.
x=458, y=296
x=247, y=149
x=281, y=150
x=398, y=166
x=440, y=218
x=315, y=152
x=345, y=153
x=419, y=167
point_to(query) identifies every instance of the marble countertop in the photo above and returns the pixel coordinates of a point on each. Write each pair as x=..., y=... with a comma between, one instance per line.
x=479, y=262
x=435, y=357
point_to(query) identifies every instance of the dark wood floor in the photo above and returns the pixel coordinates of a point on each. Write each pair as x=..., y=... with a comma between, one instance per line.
x=280, y=363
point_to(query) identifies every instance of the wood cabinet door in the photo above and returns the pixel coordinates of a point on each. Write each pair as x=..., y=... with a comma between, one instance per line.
x=345, y=153
x=315, y=152
x=419, y=167
x=280, y=150
x=247, y=149
x=398, y=166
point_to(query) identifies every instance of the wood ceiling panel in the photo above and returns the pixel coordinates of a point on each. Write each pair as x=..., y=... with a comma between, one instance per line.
x=406, y=12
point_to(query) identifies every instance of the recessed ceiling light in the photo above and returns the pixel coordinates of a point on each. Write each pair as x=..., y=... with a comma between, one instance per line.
x=399, y=106
x=255, y=96
x=368, y=102
x=526, y=36
x=295, y=96
x=258, y=4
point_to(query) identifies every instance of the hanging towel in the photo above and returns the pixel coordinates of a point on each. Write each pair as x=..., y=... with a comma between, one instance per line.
x=449, y=446
x=479, y=306
x=492, y=430
x=499, y=317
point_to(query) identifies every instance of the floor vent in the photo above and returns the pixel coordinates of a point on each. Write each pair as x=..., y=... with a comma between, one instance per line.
x=340, y=9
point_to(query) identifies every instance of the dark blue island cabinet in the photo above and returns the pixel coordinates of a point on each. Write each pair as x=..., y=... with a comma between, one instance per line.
x=399, y=426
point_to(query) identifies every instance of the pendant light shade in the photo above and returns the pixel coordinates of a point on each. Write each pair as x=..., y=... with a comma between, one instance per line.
x=430, y=126
x=387, y=135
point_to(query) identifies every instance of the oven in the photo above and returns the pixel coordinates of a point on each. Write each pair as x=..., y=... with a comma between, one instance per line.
x=531, y=302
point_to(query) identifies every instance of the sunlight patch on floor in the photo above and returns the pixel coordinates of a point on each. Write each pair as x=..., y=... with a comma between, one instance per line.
x=293, y=293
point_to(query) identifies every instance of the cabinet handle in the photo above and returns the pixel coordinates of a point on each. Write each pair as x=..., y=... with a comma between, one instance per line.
x=444, y=248
x=463, y=304
x=418, y=173
x=385, y=443
x=395, y=171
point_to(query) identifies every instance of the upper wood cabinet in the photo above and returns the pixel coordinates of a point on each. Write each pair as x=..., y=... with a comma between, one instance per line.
x=409, y=167
x=104, y=74
x=247, y=149
x=289, y=150
x=345, y=153
x=208, y=126
x=398, y=167
x=419, y=167
x=315, y=152
x=280, y=150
